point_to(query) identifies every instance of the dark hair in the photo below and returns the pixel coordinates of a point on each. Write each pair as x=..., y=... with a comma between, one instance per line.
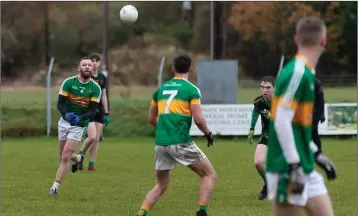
x=95, y=56
x=182, y=64
x=85, y=58
x=269, y=79
x=309, y=31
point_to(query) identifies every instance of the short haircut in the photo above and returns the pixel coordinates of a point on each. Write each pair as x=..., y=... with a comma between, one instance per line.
x=85, y=58
x=269, y=79
x=182, y=64
x=95, y=56
x=309, y=31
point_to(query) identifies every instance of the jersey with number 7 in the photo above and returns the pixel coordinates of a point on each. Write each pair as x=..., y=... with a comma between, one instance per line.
x=174, y=116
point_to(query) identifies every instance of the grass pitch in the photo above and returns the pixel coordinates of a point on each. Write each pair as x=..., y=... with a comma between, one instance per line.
x=30, y=97
x=125, y=174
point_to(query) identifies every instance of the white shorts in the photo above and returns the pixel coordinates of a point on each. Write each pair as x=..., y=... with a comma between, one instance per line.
x=167, y=157
x=277, y=188
x=66, y=131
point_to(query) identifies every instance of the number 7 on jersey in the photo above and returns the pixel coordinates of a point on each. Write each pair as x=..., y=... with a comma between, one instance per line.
x=172, y=94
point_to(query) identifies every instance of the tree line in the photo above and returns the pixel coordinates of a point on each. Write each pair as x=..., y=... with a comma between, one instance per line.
x=257, y=33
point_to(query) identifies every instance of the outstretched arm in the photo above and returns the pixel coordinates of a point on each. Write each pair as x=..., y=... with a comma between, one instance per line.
x=254, y=117
x=199, y=118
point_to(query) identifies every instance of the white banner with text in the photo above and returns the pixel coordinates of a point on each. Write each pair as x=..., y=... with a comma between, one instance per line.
x=234, y=119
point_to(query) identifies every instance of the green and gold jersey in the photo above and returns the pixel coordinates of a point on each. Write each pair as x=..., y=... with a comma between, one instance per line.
x=79, y=96
x=174, y=116
x=295, y=89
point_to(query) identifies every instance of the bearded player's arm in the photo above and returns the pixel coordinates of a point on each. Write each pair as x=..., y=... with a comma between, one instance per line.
x=62, y=96
x=94, y=101
x=153, y=110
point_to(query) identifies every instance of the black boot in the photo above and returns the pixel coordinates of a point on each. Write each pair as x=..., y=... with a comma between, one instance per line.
x=263, y=193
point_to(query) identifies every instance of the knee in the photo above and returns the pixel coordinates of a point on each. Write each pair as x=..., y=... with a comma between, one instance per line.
x=210, y=175
x=259, y=164
x=98, y=137
x=92, y=138
x=162, y=186
x=213, y=176
x=65, y=158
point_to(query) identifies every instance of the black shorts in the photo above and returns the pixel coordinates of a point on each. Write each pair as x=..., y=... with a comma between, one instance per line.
x=99, y=117
x=263, y=140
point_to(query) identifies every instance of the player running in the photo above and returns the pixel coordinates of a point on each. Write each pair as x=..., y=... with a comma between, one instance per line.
x=174, y=104
x=77, y=102
x=101, y=118
x=262, y=107
x=292, y=181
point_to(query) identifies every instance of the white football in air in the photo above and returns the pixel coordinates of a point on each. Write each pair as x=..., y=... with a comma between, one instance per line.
x=128, y=14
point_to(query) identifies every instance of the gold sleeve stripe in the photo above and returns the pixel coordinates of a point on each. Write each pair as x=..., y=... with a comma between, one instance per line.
x=195, y=101
x=64, y=93
x=293, y=104
x=94, y=99
x=257, y=100
x=153, y=102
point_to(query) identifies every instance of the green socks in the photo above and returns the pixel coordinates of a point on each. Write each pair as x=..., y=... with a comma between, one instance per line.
x=143, y=211
x=202, y=207
x=91, y=164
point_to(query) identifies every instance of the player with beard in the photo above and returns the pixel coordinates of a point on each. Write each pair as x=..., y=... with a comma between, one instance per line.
x=262, y=106
x=101, y=118
x=77, y=102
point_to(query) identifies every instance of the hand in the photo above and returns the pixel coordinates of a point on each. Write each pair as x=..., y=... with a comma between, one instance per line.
x=251, y=136
x=327, y=165
x=266, y=113
x=75, y=120
x=322, y=118
x=106, y=119
x=69, y=116
x=210, y=139
x=297, y=178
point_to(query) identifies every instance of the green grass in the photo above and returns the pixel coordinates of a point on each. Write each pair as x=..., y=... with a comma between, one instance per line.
x=125, y=174
x=36, y=96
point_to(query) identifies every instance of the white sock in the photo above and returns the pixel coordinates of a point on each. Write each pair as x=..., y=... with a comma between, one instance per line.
x=79, y=157
x=55, y=185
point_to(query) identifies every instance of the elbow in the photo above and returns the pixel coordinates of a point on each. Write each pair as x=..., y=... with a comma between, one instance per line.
x=60, y=108
x=198, y=120
x=152, y=120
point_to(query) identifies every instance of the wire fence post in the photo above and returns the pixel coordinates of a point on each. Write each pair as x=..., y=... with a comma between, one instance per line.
x=48, y=84
x=160, y=73
x=281, y=64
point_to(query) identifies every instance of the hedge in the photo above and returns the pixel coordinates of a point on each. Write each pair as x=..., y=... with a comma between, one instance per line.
x=128, y=119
